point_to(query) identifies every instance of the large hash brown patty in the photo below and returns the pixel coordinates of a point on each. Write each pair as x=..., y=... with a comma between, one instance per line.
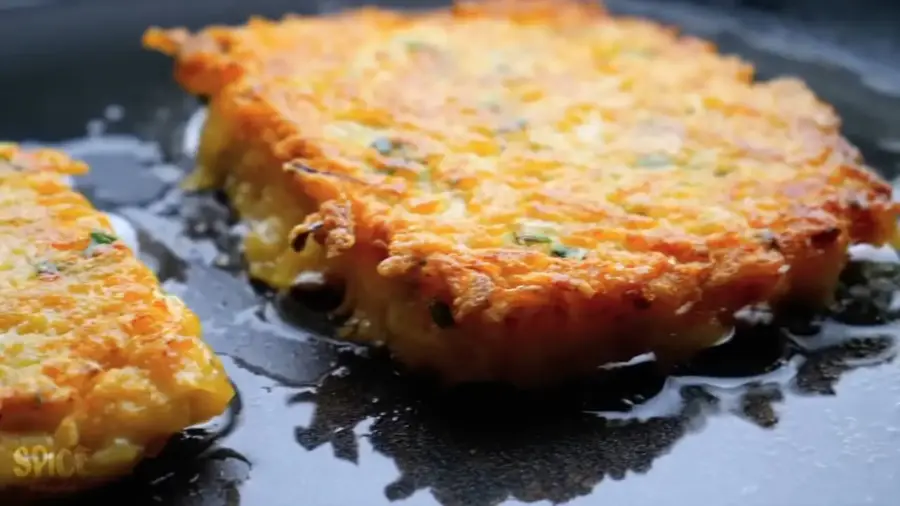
x=98, y=367
x=522, y=190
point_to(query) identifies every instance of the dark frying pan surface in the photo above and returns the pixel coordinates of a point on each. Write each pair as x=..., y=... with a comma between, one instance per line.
x=319, y=424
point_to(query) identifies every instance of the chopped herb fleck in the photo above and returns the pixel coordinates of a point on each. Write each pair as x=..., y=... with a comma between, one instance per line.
x=560, y=251
x=654, y=161
x=46, y=268
x=401, y=153
x=441, y=314
x=384, y=146
x=530, y=239
x=101, y=237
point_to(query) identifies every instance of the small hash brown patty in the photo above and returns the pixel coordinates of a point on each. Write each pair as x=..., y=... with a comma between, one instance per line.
x=522, y=190
x=95, y=360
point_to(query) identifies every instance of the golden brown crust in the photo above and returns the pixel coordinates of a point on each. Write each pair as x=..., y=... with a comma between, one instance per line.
x=96, y=362
x=542, y=168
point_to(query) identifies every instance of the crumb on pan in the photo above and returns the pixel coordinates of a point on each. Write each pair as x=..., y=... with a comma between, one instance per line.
x=523, y=190
x=98, y=367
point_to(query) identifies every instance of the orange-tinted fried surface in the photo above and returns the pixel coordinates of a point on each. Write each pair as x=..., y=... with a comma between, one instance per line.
x=96, y=363
x=520, y=190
